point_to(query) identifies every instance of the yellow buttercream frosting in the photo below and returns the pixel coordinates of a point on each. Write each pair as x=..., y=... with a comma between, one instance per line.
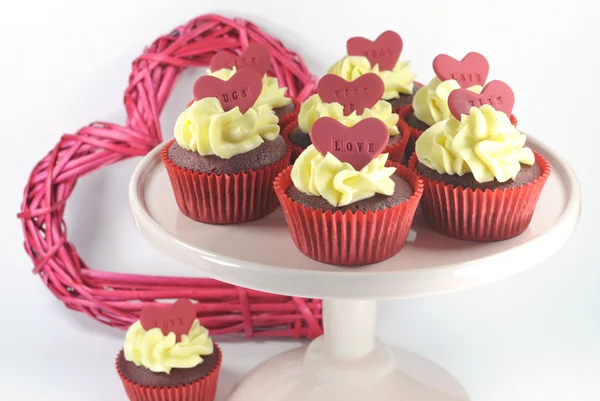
x=484, y=143
x=160, y=353
x=398, y=80
x=338, y=182
x=204, y=127
x=430, y=103
x=271, y=93
x=314, y=108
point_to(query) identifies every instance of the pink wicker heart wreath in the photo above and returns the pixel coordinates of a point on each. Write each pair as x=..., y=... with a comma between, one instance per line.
x=116, y=299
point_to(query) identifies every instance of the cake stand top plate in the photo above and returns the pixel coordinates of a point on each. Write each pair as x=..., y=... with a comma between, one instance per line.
x=261, y=255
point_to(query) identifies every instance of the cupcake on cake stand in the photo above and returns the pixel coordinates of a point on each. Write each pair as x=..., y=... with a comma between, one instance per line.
x=348, y=362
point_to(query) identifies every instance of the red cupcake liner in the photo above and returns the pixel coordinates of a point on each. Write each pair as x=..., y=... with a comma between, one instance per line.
x=224, y=198
x=396, y=150
x=415, y=133
x=350, y=238
x=477, y=215
x=296, y=150
x=405, y=129
x=203, y=389
x=289, y=117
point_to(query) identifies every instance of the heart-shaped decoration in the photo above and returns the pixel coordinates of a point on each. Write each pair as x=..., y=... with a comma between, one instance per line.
x=241, y=90
x=472, y=70
x=384, y=51
x=496, y=93
x=364, y=92
x=357, y=145
x=255, y=56
x=177, y=318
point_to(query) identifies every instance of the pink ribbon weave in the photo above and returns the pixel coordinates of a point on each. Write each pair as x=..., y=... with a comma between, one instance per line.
x=116, y=299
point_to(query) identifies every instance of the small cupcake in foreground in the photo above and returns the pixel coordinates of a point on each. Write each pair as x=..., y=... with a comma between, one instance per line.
x=226, y=152
x=258, y=57
x=481, y=182
x=430, y=104
x=381, y=57
x=344, y=202
x=168, y=355
x=348, y=103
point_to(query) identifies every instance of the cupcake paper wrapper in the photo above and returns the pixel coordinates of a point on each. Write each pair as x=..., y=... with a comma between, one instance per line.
x=290, y=117
x=224, y=198
x=396, y=150
x=414, y=133
x=296, y=150
x=350, y=238
x=203, y=389
x=478, y=215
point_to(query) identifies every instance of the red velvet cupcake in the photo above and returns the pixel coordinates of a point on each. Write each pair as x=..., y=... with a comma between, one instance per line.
x=430, y=103
x=481, y=182
x=168, y=356
x=258, y=57
x=349, y=103
x=344, y=203
x=226, y=153
x=381, y=57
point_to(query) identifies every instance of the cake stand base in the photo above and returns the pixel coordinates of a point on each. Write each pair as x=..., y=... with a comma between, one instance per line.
x=388, y=374
x=348, y=363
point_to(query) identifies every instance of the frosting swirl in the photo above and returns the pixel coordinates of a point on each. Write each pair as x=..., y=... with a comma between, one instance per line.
x=271, y=94
x=204, y=127
x=338, y=182
x=314, y=108
x=160, y=353
x=398, y=80
x=484, y=143
x=430, y=103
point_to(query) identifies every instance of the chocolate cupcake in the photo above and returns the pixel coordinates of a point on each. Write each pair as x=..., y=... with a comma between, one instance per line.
x=258, y=57
x=381, y=57
x=226, y=153
x=481, y=182
x=348, y=103
x=344, y=186
x=168, y=355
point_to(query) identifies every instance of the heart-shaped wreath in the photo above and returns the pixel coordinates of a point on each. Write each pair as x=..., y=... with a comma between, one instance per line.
x=117, y=299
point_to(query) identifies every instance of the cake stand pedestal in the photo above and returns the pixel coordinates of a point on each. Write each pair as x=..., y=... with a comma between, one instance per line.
x=348, y=362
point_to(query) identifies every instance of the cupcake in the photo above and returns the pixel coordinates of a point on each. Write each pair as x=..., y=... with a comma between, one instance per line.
x=430, y=104
x=344, y=202
x=168, y=355
x=348, y=103
x=226, y=153
x=381, y=57
x=481, y=182
x=258, y=57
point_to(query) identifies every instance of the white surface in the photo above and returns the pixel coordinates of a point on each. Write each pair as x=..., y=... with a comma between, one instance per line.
x=534, y=336
x=429, y=263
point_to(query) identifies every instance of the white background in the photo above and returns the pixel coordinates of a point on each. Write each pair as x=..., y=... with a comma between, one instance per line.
x=65, y=64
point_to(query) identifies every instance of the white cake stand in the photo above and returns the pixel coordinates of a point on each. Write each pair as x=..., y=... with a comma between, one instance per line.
x=348, y=363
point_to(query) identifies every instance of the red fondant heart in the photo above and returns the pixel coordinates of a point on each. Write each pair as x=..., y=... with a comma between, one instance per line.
x=385, y=50
x=496, y=93
x=241, y=90
x=357, y=145
x=472, y=70
x=255, y=56
x=177, y=318
x=359, y=94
